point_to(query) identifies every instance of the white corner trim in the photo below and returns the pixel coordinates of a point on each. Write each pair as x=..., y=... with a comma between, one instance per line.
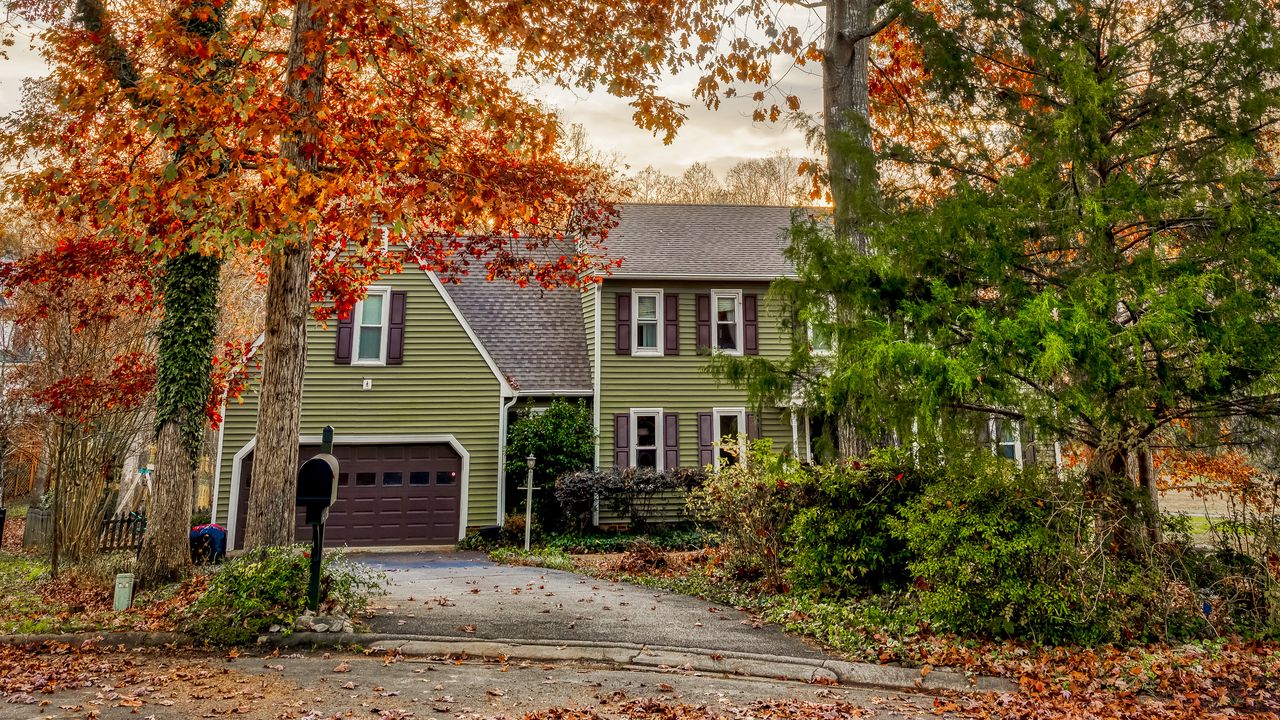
x=507, y=390
x=503, y=410
x=234, y=506
x=233, y=500
x=595, y=386
x=217, y=466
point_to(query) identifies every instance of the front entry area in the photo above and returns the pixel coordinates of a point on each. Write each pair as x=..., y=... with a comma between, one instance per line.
x=388, y=494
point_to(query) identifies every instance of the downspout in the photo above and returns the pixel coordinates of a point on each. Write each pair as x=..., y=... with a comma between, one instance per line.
x=503, y=410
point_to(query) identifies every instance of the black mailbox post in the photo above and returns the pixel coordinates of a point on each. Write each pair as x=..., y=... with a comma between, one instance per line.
x=317, y=490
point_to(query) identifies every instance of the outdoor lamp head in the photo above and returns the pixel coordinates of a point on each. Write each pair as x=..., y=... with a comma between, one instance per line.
x=529, y=461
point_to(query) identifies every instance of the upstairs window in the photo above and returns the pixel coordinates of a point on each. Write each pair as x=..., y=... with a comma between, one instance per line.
x=727, y=308
x=646, y=328
x=1006, y=439
x=371, y=317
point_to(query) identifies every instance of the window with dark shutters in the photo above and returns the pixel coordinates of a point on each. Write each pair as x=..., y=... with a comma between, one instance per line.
x=702, y=304
x=346, y=329
x=622, y=325
x=622, y=440
x=706, y=439
x=395, y=328
x=671, y=324
x=671, y=441
x=751, y=324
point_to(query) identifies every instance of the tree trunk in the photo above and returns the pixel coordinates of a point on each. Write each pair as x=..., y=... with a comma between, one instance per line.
x=272, y=498
x=184, y=383
x=1113, y=497
x=846, y=116
x=166, y=554
x=1150, y=495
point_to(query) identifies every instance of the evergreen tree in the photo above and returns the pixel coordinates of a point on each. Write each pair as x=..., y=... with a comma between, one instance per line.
x=1093, y=250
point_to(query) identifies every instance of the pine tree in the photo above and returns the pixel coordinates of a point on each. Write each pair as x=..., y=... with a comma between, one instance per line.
x=1094, y=250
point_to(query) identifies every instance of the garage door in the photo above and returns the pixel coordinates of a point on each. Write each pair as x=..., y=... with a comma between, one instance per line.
x=387, y=495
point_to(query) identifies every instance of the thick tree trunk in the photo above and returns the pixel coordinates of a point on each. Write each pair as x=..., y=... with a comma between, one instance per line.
x=166, y=554
x=272, y=499
x=846, y=115
x=1113, y=497
x=183, y=385
x=1150, y=495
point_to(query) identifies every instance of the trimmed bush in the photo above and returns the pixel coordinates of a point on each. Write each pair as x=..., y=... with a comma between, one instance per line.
x=268, y=586
x=629, y=491
x=840, y=540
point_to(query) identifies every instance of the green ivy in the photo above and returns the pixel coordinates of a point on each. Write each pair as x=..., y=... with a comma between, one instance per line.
x=184, y=380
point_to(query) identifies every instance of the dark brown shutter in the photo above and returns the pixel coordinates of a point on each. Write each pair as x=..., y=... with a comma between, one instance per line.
x=622, y=325
x=706, y=440
x=753, y=426
x=671, y=440
x=346, y=329
x=671, y=324
x=1028, y=438
x=703, y=317
x=395, y=328
x=622, y=440
x=750, y=325
x=984, y=433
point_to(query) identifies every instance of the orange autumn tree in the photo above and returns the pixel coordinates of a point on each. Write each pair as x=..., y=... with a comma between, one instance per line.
x=179, y=131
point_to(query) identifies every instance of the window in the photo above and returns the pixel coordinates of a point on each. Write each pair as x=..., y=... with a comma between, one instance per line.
x=419, y=477
x=646, y=439
x=371, y=318
x=730, y=426
x=817, y=322
x=726, y=305
x=646, y=325
x=1006, y=440
x=819, y=338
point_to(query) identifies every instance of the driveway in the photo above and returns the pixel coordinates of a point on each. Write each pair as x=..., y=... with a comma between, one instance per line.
x=463, y=595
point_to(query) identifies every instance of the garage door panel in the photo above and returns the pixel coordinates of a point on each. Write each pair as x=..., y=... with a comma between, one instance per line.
x=388, y=494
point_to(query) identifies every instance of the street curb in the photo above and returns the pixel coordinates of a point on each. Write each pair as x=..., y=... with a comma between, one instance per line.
x=642, y=657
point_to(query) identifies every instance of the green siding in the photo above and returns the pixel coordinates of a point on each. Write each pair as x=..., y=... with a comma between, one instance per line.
x=679, y=383
x=589, y=323
x=443, y=387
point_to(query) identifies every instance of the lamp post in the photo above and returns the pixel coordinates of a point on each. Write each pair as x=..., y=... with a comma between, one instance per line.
x=528, y=502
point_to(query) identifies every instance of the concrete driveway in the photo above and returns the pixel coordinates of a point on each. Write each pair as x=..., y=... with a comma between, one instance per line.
x=463, y=595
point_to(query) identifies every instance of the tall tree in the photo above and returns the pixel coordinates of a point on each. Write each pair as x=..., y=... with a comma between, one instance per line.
x=1097, y=255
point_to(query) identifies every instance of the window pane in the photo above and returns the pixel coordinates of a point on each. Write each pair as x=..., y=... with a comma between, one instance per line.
x=366, y=479
x=419, y=478
x=820, y=338
x=646, y=431
x=647, y=335
x=728, y=425
x=1008, y=450
x=343, y=479
x=392, y=478
x=370, y=343
x=647, y=458
x=726, y=309
x=1004, y=431
x=727, y=336
x=647, y=307
x=444, y=477
x=371, y=310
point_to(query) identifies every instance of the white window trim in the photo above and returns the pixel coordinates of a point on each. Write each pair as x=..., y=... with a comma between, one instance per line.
x=993, y=428
x=657, y=436
x=636, y=350
x=358, y=314
x=716, y=414
x=715, y=321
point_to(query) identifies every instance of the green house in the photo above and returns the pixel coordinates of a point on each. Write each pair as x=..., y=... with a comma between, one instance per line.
x=422, y=381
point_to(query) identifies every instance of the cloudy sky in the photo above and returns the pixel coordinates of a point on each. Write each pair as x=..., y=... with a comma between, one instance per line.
x=719, y=138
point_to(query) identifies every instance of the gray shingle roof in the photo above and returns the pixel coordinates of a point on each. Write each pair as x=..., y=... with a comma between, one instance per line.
x=535, y=336
x=729, y=241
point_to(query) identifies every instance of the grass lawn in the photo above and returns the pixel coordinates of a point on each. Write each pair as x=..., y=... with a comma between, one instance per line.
x=76, y=602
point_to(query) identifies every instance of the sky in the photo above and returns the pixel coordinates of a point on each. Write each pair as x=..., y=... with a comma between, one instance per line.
x=718, y=138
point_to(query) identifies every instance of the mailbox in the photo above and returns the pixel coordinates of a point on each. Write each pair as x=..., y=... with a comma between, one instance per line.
x=318, y=485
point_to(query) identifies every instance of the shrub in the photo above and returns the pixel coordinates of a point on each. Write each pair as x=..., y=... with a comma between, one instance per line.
x=562, y=439
x=627, y=491
x=751, y=504
x=549, y=558
x=268, y=586
x=840, y=541
x=671, y=539
x=992, y=554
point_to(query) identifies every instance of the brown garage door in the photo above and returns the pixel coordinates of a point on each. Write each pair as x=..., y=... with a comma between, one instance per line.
x=387, y=495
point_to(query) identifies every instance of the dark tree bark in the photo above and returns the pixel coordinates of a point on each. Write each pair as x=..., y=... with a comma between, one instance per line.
x=271, y=500
x=846, y=114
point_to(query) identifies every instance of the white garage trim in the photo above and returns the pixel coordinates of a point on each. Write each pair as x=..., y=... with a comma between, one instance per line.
x=451, y=440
